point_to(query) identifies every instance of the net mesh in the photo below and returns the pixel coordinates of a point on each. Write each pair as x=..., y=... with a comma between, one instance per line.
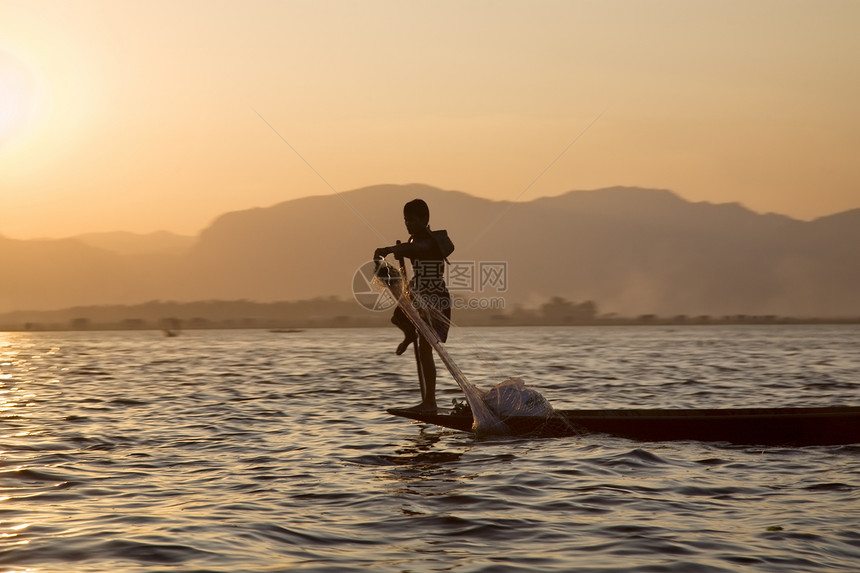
x=508, y=398
x=513, y=398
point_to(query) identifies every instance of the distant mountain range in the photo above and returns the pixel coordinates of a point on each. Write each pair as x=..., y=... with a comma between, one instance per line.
x=125, y=243
x=632, y=251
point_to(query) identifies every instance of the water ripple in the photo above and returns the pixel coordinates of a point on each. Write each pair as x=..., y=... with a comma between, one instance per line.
x=242, y=451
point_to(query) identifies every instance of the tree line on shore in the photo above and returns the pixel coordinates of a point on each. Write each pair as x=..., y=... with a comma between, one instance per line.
x=334, y=312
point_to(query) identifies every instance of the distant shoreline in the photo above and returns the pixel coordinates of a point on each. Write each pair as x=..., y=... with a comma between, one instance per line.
x=338, y=322
x=332, y=312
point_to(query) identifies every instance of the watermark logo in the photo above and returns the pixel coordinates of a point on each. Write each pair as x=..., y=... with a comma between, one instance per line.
x=477, y=276
x=460, y=277
x=377, y=299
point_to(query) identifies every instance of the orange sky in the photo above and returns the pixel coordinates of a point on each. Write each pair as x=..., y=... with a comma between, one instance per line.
x=140, y=116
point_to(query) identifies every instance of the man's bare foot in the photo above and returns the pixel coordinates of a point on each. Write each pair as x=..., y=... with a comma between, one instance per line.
x=422, y=407
x=401, y=348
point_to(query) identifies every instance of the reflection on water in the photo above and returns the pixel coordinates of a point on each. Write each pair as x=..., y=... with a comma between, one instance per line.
x=244, y=451
x=422, y=468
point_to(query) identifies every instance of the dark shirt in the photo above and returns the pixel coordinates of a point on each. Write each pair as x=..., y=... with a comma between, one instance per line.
x=428, y=263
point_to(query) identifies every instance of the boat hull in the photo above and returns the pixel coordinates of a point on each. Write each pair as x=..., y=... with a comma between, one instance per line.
x=750, y=426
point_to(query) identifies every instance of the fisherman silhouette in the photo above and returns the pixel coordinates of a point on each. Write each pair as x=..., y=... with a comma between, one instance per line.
x=428, y=251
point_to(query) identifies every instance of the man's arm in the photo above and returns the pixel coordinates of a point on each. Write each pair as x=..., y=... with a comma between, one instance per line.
x=422, y=248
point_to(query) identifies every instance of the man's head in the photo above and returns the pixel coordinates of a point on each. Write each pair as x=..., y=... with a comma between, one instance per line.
x=416, y=215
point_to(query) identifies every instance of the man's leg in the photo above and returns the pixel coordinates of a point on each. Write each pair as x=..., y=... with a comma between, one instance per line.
x=428, y=367
x=401, y=321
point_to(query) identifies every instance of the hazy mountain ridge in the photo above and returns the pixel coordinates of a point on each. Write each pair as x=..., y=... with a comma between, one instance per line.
x=51, y=273
x=125, y=243
x=633, y=251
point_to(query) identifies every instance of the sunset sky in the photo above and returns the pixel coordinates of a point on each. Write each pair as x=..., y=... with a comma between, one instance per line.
x=142, y=116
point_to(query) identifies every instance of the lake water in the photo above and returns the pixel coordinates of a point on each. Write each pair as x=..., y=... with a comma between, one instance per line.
x=232, y=451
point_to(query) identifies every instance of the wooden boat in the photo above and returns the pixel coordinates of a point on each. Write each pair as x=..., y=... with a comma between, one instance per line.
x=750, y=426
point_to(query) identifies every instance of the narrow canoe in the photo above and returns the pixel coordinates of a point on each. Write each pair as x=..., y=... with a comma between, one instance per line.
x=750, y=426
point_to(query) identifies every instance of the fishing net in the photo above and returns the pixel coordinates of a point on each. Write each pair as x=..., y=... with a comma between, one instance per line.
x=509, y=398
x=513, y=398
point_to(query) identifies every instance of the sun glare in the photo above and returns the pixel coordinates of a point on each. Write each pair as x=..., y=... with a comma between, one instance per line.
x=17, y=98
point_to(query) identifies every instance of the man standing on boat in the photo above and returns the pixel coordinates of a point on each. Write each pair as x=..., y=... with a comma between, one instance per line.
x=428, y=251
